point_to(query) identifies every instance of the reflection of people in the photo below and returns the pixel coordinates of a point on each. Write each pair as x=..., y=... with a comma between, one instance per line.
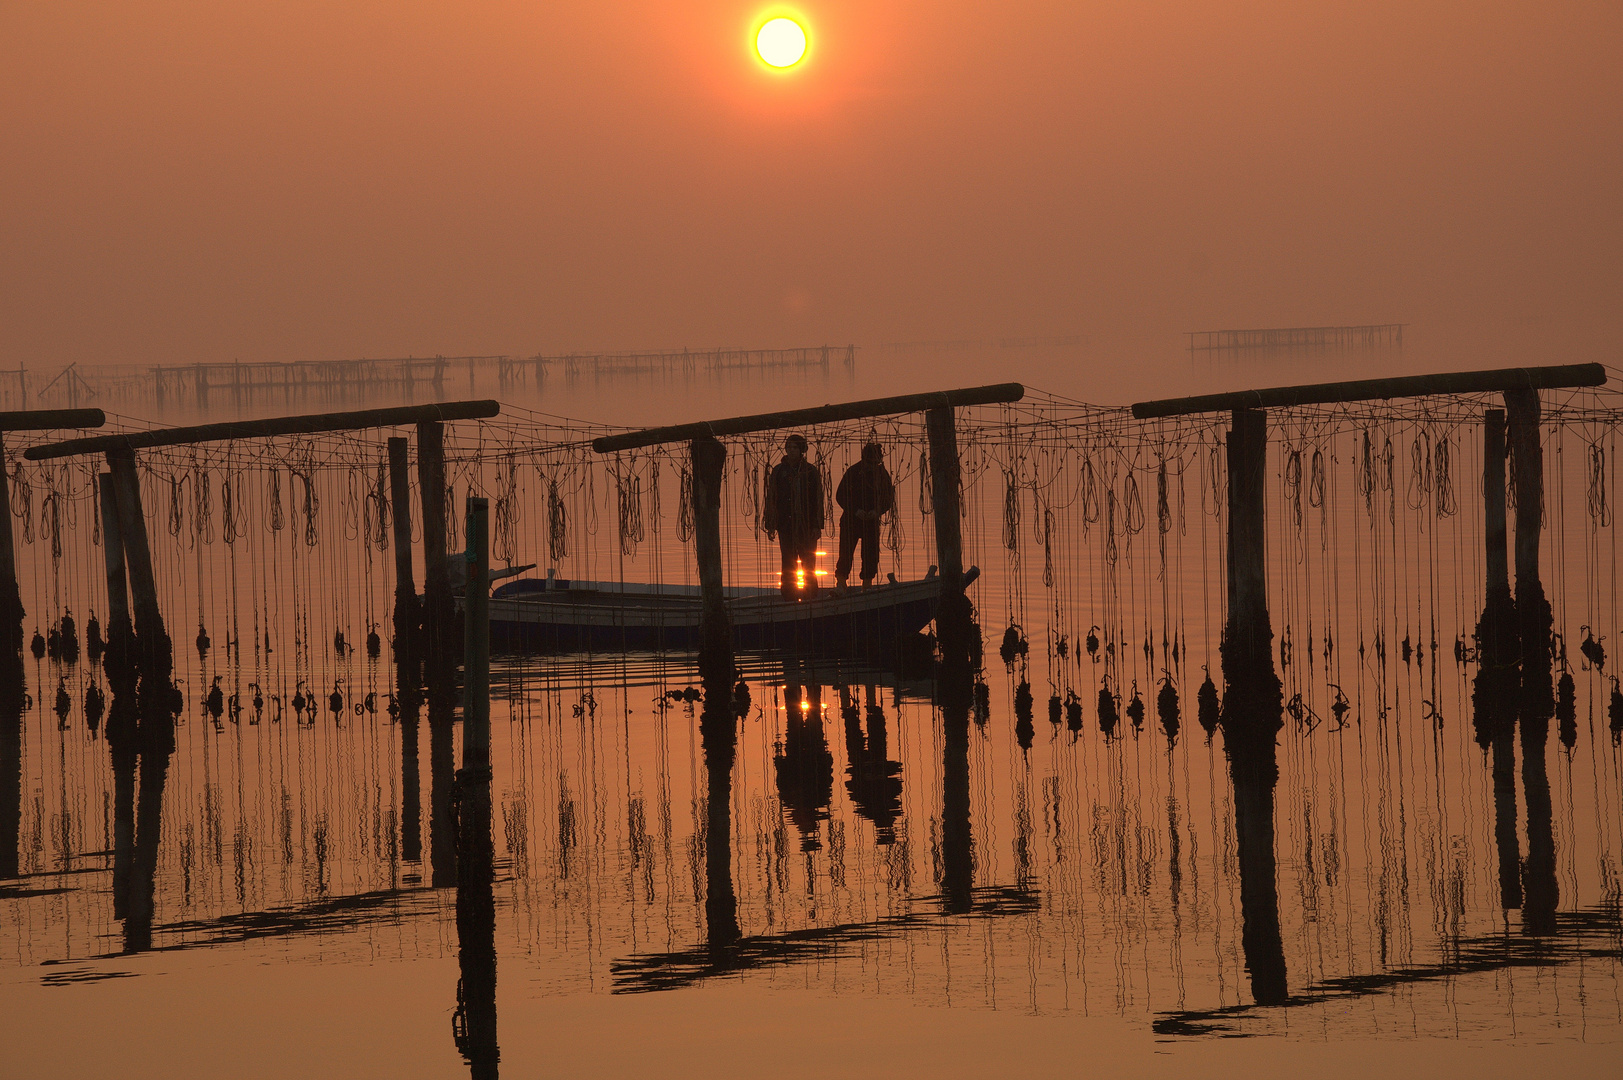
x=794, y=513
x=865, y=495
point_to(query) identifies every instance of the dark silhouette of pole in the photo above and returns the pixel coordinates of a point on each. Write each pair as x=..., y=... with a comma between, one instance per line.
x=715, y=627
x=406, y=653
x=438, y=609
x=475, y=864
x=718, y=733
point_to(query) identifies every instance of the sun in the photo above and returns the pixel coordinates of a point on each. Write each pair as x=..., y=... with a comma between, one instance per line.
x=781, y=42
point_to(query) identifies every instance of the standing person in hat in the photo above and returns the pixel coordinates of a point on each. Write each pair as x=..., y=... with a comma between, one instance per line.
x=794, y=514
x=865, y=495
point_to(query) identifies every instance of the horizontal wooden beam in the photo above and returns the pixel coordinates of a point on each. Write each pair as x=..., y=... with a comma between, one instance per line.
x=1551, y=377
x=820, y=414
x=50, y=419
x=269, y=427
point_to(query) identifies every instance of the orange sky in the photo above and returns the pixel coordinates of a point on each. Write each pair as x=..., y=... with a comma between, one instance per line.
x=188, y=180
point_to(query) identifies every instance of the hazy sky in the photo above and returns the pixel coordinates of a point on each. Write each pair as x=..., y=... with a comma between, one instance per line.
x=184, y=181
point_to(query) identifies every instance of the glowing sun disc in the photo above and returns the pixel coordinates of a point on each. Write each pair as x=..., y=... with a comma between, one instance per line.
x=781, y=42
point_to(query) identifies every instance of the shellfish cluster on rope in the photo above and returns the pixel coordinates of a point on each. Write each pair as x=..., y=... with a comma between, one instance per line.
x=1101, y=539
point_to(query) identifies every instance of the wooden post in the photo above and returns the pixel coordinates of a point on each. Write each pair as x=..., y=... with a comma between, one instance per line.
x=155, y=653
x=1527, y=456
x=1496, y=633
x=1493, y=494
x=438, y=610
x=1249, y=629
x=475, y=905
x=718, y=731
x=118, y=660
x=709, y=457
x=405, y=587
x=944, y=480
x=476, y=652
x=11, y=598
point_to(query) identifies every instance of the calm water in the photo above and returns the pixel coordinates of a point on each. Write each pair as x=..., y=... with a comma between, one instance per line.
x=914, y=889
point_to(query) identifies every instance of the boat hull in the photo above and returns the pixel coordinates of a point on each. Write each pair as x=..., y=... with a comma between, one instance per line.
x=873, y=621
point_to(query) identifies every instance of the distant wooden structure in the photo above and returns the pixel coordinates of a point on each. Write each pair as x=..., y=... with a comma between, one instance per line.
x=1372, y=336
x=721, y=361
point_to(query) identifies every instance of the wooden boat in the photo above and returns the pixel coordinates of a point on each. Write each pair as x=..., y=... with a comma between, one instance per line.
x=560, y=615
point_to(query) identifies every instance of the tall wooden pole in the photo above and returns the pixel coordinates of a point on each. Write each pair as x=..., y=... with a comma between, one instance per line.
x=475, y=904
x=1532, y=608
x=1249, y=629
x=715, y=627
x=1497, y=635
x=438, y=610
x=405, y=587
x=954, y=621
x=153, y=649
x=119, y=659
x=476, y=654
x=944, y=481
x=11, y=598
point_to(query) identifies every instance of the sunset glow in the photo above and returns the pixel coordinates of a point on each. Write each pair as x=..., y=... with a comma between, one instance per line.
x=781, y=42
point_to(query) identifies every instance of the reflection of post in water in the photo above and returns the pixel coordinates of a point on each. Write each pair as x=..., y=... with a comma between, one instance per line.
x=408, y=657
x=805, y=767
x=411, y=799
x=1498, y=677
x=873, y=780
x=441, y=769
x=144, y=861
x=1542, y=893
x=475, y=1021
x=719, y=735
x=955, y=692
x=1252, y=711
x=11, y=760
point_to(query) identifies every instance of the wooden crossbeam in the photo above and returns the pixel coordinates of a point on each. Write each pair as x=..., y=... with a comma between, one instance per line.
x=820, y=414
x=1551, y=377
x=50, y=419
x=311, y=424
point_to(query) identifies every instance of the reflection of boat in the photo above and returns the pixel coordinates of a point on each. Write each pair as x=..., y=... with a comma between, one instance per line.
x=556, y=614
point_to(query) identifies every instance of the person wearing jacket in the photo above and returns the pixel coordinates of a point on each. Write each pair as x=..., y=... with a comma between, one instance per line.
x=865, y=495
x=794, y=514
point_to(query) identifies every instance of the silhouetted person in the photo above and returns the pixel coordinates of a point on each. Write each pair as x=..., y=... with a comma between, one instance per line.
x=865, y=495
x=794, y=513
